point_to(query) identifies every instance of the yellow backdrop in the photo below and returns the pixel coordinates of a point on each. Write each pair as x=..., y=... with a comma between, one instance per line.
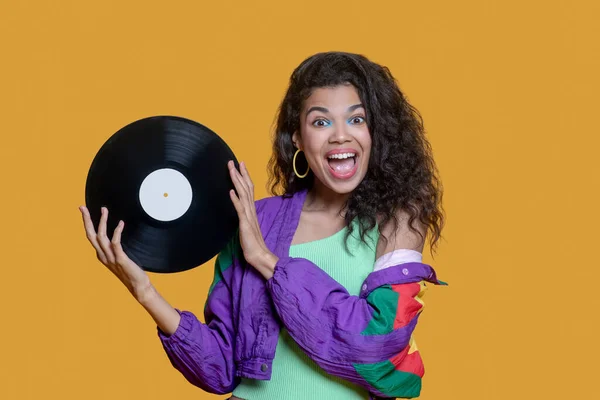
x=508, y=91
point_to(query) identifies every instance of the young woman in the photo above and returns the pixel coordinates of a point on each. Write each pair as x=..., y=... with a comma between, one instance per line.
x=319, y=293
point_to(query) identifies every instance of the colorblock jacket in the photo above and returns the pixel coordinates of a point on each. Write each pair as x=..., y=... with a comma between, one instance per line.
x=365, y=339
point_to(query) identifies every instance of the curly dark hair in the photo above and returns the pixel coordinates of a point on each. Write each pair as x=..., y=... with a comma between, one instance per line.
x=401, y=175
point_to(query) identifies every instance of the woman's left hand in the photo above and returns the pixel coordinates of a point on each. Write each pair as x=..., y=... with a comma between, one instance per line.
x=255, y=250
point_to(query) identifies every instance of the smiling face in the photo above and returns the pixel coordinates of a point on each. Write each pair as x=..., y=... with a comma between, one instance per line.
x=335, y=138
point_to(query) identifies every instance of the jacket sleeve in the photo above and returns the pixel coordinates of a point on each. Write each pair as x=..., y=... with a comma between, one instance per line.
x=365, y=339
x=203, y=352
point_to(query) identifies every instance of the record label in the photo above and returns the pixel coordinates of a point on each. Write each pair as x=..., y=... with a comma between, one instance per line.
x=165, y=194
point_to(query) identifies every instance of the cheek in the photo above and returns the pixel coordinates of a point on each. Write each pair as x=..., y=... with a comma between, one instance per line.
x=313, y=156
x=366, y=142
x=312, y=145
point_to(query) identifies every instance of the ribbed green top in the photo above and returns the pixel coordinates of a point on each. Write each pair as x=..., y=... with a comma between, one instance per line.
x=294, y=374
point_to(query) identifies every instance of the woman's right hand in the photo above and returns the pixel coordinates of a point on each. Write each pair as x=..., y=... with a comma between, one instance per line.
x=110, y=253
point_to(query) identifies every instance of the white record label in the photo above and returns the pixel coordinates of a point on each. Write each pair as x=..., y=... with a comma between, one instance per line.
x=165, y=194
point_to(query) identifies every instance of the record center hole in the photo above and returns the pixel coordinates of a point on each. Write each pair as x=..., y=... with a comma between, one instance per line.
x=166, y=194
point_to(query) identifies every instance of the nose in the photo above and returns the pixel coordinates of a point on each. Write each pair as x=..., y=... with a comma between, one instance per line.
x=340, y=134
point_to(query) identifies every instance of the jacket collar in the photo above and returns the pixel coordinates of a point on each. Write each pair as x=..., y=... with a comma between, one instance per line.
x=285, y=224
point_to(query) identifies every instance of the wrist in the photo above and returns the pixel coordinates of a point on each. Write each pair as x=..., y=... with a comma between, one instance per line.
x=144, y=294
x=266, y=264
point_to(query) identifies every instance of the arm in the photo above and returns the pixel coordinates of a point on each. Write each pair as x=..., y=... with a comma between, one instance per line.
x=366, y=339
x=203, y=352
x=166, y=317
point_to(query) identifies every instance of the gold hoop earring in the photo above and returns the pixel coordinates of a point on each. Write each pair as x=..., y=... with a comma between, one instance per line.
x=294, y=165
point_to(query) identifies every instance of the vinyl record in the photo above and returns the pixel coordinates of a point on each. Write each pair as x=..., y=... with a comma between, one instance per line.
x=167, y=178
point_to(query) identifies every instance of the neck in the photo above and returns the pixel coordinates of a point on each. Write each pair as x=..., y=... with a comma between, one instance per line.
x=321, y=198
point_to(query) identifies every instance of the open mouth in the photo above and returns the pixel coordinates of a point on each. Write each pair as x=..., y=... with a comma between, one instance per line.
x=342, y=165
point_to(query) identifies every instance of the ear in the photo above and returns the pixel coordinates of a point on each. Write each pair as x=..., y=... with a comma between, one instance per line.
x=296, y=141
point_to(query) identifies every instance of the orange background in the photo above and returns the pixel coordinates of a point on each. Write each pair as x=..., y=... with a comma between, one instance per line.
x=509, y=94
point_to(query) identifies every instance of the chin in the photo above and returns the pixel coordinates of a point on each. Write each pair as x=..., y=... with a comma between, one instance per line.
x=343, y=186
x=342, y=191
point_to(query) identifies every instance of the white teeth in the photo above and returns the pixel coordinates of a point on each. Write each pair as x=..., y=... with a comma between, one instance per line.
x=342, y=155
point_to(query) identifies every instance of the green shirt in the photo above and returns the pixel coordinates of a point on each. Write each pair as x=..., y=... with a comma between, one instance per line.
x=294, y=374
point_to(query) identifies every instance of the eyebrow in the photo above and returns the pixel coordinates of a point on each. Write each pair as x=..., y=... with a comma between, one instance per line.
x=324, y=110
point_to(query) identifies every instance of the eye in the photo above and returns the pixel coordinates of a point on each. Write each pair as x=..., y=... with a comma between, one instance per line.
x=321, y=123
x=357, y=120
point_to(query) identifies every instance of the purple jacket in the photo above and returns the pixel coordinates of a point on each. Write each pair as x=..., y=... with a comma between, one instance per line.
x=365, y=339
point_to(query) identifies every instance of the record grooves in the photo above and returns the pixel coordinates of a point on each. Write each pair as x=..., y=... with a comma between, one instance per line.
x=167, y=178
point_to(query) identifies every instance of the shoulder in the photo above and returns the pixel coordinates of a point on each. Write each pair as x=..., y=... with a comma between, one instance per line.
x=400, y=235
